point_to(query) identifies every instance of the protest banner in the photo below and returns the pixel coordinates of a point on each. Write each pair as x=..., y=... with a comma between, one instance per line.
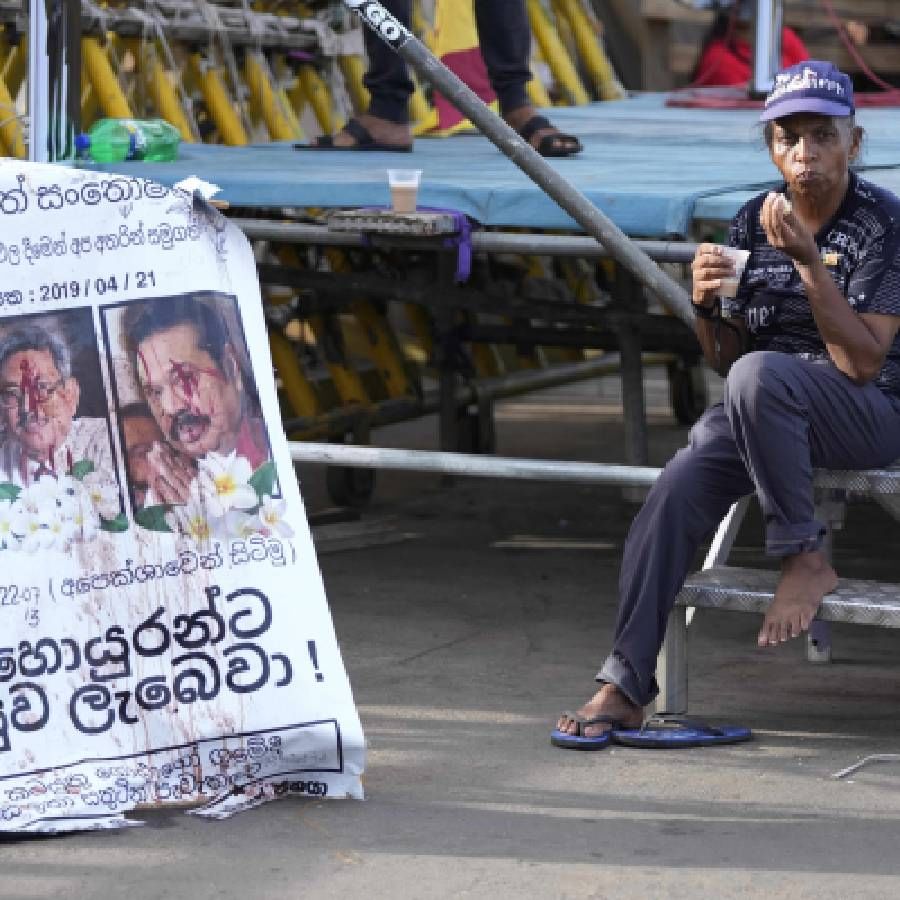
x=164, y=632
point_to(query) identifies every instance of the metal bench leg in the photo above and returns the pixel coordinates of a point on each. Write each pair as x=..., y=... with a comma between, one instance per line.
x=726, y=533
x=818, y=639
x=818, y=642
x=671, y=667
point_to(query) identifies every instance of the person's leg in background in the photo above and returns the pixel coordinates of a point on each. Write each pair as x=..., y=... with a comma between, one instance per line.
x=386, y=121
x=505, y=38
x=504, y=34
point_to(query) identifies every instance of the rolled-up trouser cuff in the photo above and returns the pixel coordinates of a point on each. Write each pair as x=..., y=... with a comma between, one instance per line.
x=617, y=671
x=789, y=540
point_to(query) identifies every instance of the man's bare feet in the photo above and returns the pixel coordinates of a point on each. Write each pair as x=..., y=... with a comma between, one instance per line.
x=805, y=579
x=390, y=134
x=609, y=701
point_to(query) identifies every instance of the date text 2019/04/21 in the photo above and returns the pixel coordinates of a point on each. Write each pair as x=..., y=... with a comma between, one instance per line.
x=99, y=286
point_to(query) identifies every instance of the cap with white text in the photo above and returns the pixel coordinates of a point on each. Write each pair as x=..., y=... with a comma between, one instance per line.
x=813, y=86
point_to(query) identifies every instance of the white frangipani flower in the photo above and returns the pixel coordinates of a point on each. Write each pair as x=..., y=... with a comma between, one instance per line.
x=271, y=516
x=56, y=510
x=223, y=483
x=193, y=521
x=35, y=533
x=104, y=494
x=61, y=531
x=239, y=524
x=41, y=496
x=9, y=517
x=85, y=518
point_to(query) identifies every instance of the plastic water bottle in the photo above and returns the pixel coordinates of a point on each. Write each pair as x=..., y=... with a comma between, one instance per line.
x=115, y=140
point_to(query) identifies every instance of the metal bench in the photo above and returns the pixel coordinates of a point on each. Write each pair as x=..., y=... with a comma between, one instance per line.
x=719, y=586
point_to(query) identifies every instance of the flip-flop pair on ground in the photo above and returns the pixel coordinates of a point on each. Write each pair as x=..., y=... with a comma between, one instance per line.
x=555, y=145
x=658, y=732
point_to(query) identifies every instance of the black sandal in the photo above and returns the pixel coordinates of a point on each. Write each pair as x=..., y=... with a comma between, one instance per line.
x=364, y=141
x=550, y=145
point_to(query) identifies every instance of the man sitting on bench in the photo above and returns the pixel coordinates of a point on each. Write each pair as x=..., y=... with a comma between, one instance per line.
x=811, y=354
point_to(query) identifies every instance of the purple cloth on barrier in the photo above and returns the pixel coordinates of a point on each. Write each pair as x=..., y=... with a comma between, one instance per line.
x=462, y=240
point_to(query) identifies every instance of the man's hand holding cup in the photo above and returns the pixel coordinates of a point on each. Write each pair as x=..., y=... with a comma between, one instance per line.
x=717, y=272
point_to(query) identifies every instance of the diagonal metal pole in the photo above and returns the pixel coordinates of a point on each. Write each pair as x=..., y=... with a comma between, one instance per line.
x=588, y=216
x=38, y=83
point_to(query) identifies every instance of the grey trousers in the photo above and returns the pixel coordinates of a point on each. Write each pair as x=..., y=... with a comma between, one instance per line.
x=781, y=417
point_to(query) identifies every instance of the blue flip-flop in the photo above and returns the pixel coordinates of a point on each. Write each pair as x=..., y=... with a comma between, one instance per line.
x=579, y=740
x=665, y=732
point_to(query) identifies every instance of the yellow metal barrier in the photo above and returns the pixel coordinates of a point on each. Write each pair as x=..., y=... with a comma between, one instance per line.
x=10, y=127
x=590, y=49
x=312, y=89
x=553, y=51
x=300, y=394
x=352, y=68
x=378, y=339
x=109, y=94
x=163, y=93
x=15, y=64
x=277, y=118
x=218, y=102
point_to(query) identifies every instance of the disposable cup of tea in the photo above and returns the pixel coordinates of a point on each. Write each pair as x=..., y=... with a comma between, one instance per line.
x=739, y=260
x=404, y=185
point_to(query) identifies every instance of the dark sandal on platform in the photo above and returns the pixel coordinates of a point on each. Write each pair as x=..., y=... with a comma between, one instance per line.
x=550, y=145
x=364, y=141
x=579, y=740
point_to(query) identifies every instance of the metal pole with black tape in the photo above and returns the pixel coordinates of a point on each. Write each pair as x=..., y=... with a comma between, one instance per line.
x=591, y=219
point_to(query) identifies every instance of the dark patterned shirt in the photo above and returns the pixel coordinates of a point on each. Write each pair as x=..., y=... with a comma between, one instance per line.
x=860, y=247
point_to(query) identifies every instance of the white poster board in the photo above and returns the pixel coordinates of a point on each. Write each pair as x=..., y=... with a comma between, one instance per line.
x=164, y=632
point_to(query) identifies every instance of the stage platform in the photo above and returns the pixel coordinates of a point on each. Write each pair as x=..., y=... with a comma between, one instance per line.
x=651, y=168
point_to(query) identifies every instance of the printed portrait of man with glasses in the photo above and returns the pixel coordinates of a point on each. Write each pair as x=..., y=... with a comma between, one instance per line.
x=39, y=397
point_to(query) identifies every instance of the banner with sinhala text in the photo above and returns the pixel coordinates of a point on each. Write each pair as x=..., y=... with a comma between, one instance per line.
x=164, y=632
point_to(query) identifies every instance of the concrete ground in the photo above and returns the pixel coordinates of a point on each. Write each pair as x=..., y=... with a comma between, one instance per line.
x=462, y=654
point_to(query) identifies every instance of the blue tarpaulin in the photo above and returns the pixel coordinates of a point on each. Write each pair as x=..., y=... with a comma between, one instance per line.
x=651, y=168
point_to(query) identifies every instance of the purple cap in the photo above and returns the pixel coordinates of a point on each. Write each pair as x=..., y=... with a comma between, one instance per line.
x=813, y=86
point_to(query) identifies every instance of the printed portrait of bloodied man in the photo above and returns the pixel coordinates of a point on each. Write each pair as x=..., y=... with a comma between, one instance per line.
x=188, y=405
x=53, y=408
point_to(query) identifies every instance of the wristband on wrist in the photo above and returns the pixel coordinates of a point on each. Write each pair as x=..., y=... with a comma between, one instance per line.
x=708, y=312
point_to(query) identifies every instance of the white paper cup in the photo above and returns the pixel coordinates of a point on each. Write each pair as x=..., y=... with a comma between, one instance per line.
x=404, y=185
x=739, y=260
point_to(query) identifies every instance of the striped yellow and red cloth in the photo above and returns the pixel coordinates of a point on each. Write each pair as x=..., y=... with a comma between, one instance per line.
x=455, y=43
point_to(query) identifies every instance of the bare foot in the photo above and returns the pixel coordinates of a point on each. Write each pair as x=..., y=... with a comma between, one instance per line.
x=382, y=131
x=609, y=701
x=805, y=579
x=518, y=118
